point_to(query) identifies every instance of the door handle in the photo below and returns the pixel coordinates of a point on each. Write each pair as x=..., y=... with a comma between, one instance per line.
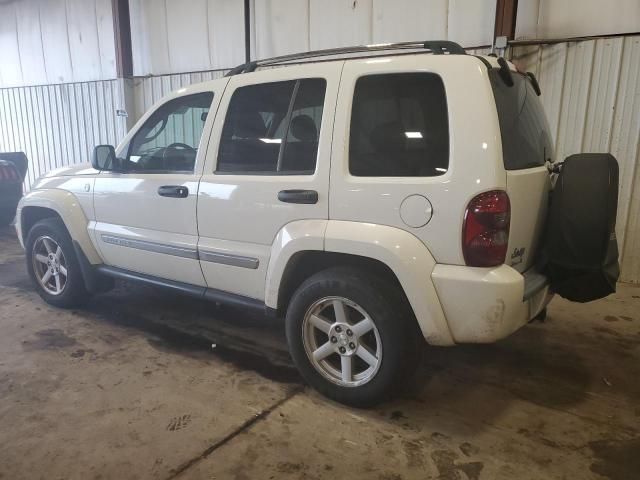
x=173, y=191
x=298, y=196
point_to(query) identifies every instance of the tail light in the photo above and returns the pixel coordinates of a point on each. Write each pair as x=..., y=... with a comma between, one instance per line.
x=8, y=172
x=485, y=231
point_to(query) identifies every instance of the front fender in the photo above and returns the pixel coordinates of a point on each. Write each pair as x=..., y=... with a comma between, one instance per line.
x=67, y=206
x=410, y=261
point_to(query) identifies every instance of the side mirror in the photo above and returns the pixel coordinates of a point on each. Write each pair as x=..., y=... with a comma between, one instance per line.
x=104, y=158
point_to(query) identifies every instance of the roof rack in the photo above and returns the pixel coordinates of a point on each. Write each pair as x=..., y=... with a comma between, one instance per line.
x=436, y=47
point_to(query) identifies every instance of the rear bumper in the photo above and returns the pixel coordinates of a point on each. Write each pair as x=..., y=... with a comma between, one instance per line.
x=483, y=305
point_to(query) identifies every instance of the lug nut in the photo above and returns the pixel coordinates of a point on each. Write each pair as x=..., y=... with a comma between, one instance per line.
x=343, y=350
x=349, y=332
x=352, y=345
x=334, y=339
x=338, y=329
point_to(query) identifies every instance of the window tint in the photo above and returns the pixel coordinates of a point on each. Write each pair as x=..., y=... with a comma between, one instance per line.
x=526, y=141
x=399, y=126
x=168, y=140
x=273, y=128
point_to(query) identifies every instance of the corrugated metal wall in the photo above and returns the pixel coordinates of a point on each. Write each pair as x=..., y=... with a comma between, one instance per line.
x=591, y=93
x=58, y=125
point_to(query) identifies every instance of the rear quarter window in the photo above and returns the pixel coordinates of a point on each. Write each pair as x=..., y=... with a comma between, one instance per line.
x=399, y=126
x=526, y=139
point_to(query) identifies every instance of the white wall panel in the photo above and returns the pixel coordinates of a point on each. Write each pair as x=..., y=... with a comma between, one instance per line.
x=281, y=27
x=591, y=93
x=572, y=18
x=172, y=37
x=471, y=22
x=408, y=20
x=10, y=67
x=226, y=33
x=30, y=41
x=335, y=23
x=187, y=32
x=54, y=41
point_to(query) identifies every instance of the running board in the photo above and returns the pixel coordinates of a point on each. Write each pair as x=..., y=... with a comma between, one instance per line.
x=210, y=294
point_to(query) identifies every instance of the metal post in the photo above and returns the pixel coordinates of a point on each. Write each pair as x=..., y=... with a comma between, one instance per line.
x=247, y=31
x=122, y=37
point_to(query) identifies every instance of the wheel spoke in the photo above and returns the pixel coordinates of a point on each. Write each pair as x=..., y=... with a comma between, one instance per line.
x=42, y=258
x=46, y=277
x=58, y=284
x=341, y=314
x=63, y=270
x=323, y=352
x=367, y=356
x=320, y=323
x=49, y=248
x=58, y=253
x=346, y=363
x=362, y=327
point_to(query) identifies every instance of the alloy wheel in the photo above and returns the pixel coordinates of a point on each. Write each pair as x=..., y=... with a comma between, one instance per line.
x=342, y=341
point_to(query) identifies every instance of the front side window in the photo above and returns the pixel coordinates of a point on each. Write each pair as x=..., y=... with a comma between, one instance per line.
x=399, y=126
x=273, y=128
x=168, y=141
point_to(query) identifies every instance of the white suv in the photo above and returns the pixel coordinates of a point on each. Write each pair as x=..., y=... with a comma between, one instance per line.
x=374, y=201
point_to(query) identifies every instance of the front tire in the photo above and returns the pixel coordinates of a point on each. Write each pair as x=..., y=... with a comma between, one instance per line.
x=53, y=265
x=352, y=335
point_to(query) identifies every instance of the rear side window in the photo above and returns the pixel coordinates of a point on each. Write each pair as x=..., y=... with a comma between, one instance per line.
x=526, y=141
x=399, y=126
x=273, y=128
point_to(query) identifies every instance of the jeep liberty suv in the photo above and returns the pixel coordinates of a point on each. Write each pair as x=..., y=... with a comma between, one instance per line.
x=376, y=197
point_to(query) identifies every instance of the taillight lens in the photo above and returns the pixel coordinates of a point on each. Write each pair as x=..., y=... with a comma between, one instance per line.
x=8, y=172
x=485, y=231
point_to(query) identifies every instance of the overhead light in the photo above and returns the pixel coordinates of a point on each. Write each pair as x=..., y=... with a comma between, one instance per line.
x=413, y=134
x=271, y=140
x=440, y=169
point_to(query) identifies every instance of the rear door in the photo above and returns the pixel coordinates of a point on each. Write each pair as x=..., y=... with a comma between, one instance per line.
x=526, y=147
x=267, y=166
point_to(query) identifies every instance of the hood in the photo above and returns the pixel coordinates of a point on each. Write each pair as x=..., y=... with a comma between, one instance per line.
x=72, y=170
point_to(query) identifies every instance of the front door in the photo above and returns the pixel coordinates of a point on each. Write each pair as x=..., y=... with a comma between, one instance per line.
x=267, y=167
x=146, y=212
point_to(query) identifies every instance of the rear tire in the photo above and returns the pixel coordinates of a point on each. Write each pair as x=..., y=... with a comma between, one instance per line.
x=359, y=357
x=53, y=265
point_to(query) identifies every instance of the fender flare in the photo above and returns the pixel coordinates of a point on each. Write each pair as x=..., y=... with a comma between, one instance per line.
x=293, y=238
x=67, y=206
x=407, y=257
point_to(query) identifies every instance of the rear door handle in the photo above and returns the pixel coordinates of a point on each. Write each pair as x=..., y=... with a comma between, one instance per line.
x=173, y=191
x=298, y=196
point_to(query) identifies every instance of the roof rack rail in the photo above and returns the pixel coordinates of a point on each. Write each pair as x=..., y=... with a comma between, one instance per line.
x=436, y=47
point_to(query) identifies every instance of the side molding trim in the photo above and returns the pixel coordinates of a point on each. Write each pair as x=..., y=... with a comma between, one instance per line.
x=228, y=259
x=185, y=252
x=151, y=246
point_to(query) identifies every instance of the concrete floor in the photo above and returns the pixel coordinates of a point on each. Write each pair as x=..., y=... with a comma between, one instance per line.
x=130, y=387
